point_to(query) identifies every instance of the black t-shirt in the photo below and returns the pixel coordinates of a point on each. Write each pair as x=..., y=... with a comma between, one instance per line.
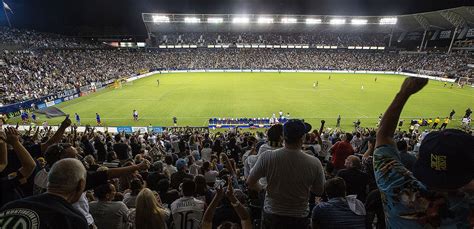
x=9, y=189
x=42, y=211
x=121, y=149
x=356, y=182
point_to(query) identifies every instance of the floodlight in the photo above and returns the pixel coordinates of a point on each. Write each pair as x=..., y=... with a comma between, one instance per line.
x=337, y=21
x=241, y=20
x=388, y=21
x=160, y=18
x=265, y=20
x=215, y=20
x=312, y=21
x=287, y=20
x=192, y=20
x=359, y=21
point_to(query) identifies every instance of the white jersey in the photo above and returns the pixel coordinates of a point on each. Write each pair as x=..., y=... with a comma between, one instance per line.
x=135, y=113
x=187, y=213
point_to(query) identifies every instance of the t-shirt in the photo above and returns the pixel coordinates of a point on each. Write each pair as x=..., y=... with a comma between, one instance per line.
x=109, y=214
x=9, y=188
x=206, y=154
x=340, y=151
x=178, y=177
x=122, y=151
x=129, y=200
x=336, y=213
x=409, y=204
x=290, y=175
x=45, y=211
x=187, y=213
x=356, y=182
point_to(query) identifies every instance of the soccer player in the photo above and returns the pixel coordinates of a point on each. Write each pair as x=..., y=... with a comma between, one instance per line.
x=97, y=118
x=338, y=124
x=445, y=123
x=175, y=121
x=317, y=83
x=451, y=114
x=158, y=82
x=314, y=85
x=329, y=77
x=376, y=79
x=78, y=119
x=362, y=88
x=435, y=124
x=33, y=116
x=445, y=83
x=135, y=115
x=452, y=85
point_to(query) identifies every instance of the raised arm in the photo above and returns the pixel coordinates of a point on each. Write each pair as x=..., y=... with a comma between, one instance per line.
x=243, y=214
x=209, y=214
x=27, y=162
x=3, y=151
x=388, y=124
x=118, y=172
x=58, y=135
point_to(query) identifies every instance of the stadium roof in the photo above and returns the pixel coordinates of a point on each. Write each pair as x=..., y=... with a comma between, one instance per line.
x=448, y=19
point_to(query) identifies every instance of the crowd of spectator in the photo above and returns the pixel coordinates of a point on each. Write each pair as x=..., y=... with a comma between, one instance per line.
x=291, y=176
x=33, y=39
x=317, y=38
x=33, y=74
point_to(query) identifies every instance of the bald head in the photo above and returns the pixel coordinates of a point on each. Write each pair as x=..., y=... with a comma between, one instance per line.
x=352, y=162
x=66, y=176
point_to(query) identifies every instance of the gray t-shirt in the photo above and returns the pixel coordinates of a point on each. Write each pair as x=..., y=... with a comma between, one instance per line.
x=109, y=214
x=291, y=174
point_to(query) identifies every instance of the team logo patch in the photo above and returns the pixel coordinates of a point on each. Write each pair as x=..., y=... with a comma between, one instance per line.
x=438, y=162
x=19, y=218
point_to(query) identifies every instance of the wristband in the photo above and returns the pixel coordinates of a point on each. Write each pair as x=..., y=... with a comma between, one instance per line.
x=236, y=204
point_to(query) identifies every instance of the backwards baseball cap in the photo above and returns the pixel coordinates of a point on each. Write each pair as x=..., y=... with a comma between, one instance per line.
x=295, y=129
x=446, y=159
x=181, y=163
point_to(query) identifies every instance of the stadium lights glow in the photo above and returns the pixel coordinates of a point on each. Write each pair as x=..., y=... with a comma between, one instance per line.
x=265, y=20
x=312, y=21
x=388, y=21
x=160, y=18
x=241, y=20
x=287, y=20
x=337, y=21
x=192, y=20
x=215, y=20
x=359, y=21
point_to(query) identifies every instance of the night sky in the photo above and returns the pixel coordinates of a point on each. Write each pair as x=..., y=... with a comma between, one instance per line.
x=123, y=17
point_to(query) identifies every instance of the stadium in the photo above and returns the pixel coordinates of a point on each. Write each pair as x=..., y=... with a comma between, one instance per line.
x=300, y=118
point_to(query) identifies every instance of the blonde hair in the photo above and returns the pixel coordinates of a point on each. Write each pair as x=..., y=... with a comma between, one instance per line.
x=149, y=214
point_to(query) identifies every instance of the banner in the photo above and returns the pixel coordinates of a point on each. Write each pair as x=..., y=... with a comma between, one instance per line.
x=126, y=129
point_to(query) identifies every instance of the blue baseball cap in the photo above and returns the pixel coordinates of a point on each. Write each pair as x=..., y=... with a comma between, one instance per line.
x=446, y=159
x=181, y=163
x=295, y=128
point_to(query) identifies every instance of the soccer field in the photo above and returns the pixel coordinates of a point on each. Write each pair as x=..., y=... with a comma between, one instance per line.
x=195, y=97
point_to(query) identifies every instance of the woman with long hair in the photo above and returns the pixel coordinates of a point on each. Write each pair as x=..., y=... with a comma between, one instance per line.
x=149, y=214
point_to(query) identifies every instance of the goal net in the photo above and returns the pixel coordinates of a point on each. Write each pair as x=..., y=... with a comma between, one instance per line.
x=466, y=81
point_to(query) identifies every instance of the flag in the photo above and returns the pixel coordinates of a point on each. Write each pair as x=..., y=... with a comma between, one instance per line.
x=5, y=5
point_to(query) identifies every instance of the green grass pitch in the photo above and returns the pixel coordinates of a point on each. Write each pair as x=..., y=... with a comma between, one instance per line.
x=195, y=97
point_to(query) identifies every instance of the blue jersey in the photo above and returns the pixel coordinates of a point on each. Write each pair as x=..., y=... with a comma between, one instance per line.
x=78, y=118
x=97, y=117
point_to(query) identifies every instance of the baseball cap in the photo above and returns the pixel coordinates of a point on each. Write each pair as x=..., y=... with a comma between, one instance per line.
x=446, y=159
x=295, y=128
x=181, y=163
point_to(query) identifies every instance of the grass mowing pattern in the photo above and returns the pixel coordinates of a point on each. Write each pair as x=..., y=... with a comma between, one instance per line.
x=195, y=97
